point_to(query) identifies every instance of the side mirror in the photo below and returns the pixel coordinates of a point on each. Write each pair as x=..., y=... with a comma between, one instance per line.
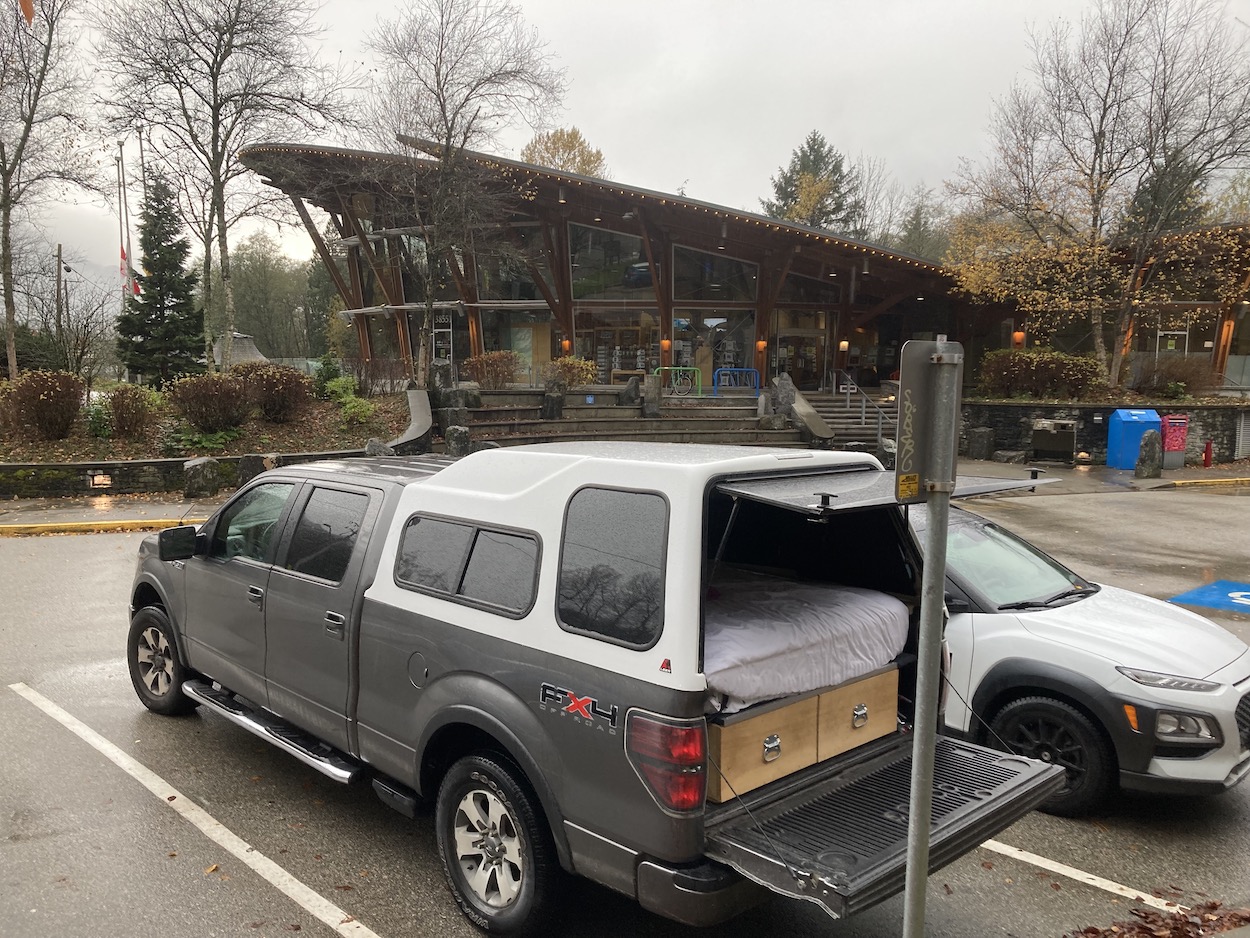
x=177, y=543
x=956, y=605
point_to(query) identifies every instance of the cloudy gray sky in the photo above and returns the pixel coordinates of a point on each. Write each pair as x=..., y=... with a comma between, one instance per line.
x=713, y=95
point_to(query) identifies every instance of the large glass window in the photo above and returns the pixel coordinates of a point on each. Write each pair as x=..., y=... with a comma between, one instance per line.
x=504, y=272
x=326, y=533
x=605, y=263
x=709, y=339
x=470, y=564
x=622, y=343
x=612, y=566
x=700, y=275
x=246, y=528
x=797, y=289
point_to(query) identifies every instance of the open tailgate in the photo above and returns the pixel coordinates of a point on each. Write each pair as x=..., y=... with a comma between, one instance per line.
x=841, y=841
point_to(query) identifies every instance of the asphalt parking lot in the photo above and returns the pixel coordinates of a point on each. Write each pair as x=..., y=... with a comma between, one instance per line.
x=116, y=822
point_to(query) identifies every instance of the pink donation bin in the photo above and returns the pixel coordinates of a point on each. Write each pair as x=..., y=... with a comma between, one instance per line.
x=1174, y=430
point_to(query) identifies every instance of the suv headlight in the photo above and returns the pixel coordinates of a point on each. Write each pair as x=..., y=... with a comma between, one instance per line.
x=1185, y=727
x=1168, y=681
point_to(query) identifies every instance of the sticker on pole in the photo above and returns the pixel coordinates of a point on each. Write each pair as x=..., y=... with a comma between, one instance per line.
x=1222, y=594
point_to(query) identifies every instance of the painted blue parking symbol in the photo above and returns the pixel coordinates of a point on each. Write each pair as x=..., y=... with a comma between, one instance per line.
x=1222, y=594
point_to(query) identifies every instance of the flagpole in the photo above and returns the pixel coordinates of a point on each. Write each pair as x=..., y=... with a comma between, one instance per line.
x=121, y=231
x=130, y=263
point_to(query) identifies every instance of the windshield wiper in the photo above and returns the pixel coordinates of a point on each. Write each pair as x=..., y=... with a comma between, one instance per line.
x=1081, y=591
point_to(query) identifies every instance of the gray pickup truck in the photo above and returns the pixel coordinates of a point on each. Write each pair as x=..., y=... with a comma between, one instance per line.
x=684, y=672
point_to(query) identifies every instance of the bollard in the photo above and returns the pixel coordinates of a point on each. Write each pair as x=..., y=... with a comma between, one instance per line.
x=1206, y=456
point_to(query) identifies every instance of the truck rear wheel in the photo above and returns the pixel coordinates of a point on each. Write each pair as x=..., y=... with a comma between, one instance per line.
x=497, y=853
x=155, y=670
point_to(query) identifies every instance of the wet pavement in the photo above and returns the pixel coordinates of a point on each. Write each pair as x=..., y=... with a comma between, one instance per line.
x=105, y=513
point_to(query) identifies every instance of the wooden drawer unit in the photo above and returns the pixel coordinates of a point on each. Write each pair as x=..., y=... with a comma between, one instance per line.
x=858, y=712
x=753, y=748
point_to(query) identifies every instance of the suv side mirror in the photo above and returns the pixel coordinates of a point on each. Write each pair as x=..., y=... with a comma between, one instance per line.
x=956, y=604
x=177, y=543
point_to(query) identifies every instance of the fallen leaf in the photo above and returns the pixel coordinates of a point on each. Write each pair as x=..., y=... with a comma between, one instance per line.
x=987, y=865
x=1009, y=881
x=212, y=869
x=255, y=924
x=350, y=918
x=293, y=927
x=344, y=888
x=172, y=854
x=947, y=888
x=1055, y=886
x=171, y=797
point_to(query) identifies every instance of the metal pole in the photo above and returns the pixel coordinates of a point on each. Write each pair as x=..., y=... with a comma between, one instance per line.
x=939, y=482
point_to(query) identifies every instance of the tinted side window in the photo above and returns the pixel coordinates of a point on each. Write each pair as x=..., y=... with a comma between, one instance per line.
x=432, y=552
x=326, y=533
x=501, y=570
x=612, y=565
x=246, y=527
x=463, y=561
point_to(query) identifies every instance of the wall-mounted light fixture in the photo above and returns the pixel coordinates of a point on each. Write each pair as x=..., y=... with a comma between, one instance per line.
x=761, y=345
x=666, y=344
x=562, y=197
x=565, y=346
x=1017, y=339
x=844, y=345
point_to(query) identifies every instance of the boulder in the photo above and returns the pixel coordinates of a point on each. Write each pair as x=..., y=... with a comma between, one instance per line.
x=631, y=394
x=980, y=442
x=552, y=406
x=784, y=393
x=253, y=464
x=457, y=441
x=448, y=417
x=773, y=422
x=200, y=478
x=375, y=447
x=479, y=445
x=1020, y=456
x=1150, y=457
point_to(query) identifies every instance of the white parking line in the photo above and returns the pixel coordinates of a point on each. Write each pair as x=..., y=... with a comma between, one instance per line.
x=1081, y=876
x=311, y=901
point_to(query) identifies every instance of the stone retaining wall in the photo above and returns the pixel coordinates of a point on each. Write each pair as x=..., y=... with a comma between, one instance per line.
x=1012, y=426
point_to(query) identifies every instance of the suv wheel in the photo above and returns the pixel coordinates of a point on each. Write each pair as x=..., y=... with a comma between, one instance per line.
x=1056, y=732
x=497, y=854
x=155, y=670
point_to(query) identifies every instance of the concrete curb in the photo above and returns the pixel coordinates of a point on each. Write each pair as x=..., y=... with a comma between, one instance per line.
x=1179, y=483
x=103, y=526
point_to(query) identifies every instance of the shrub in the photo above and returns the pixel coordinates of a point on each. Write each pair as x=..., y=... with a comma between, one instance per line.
x=211, y=402
x=8, y=419
x=571, y=372
x=46, y=403
x=493, y=370
x=327, y=370
x=379, y=375
x=340, y=389
x=245, y=370
x=1036, y=373
x=278, y=391
x=132, y=409
x=356, y=410
x=98, y=423
x=1174, y=376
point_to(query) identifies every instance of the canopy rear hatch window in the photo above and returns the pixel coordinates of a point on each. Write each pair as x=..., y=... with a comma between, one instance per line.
x=841, y=841
x=819, y=493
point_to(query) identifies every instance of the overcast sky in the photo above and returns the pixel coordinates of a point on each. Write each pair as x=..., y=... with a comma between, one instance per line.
x=713, y=95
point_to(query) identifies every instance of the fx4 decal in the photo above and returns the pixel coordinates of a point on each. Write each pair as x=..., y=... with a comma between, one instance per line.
x=585, y=710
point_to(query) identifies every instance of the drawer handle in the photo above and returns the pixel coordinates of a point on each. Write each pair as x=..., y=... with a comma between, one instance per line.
x=772, y=748
x=859, y=716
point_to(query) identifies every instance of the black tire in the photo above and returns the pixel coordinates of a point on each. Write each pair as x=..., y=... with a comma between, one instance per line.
x=496, y=849
x=155, y=669
x=1056, y=732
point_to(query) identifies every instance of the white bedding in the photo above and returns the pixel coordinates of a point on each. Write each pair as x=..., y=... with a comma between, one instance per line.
x=767, y=638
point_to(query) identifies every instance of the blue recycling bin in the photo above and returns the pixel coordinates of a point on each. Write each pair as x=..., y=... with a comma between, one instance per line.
x=1124, y=433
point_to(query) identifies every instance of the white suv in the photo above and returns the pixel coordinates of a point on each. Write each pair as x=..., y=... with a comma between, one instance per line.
x=1114, y=686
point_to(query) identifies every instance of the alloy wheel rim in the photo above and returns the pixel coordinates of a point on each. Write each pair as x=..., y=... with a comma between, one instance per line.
x=1054, y=743
x=155, y=662
x=488, y=849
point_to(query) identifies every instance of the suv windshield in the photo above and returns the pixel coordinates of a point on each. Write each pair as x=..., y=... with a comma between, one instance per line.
x=1007, y=571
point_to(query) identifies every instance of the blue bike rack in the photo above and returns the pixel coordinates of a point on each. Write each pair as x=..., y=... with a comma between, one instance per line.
x=737, y=378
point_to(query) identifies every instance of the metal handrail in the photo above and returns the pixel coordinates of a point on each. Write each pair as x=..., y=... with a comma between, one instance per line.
x=852, y=387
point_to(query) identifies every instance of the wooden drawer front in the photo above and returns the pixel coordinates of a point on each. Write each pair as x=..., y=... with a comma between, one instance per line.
x=738, y=748
x=843, y=724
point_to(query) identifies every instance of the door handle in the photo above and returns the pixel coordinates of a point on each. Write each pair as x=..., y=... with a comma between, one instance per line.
x=255, y=595
x=336, y=624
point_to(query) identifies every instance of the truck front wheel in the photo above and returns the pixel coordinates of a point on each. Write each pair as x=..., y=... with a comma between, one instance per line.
x=497, y=854
x=155, y=670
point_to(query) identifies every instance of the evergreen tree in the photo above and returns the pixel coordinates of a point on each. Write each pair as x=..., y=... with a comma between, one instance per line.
x=160, y=334
x=817, y=189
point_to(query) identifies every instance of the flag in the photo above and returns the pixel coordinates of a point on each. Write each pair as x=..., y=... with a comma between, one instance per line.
x=28, y=10
x=125, y=267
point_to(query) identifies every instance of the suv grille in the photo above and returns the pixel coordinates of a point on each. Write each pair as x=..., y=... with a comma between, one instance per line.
x=1243, y=721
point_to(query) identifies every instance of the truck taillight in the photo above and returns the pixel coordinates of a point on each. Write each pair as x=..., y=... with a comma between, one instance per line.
x=670, y=756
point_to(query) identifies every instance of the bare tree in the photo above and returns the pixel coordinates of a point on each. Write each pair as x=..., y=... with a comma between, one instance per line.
x=79, y=321
x=208, y=77
x=1094, y=160
x=41, y=84
x=451, y=75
